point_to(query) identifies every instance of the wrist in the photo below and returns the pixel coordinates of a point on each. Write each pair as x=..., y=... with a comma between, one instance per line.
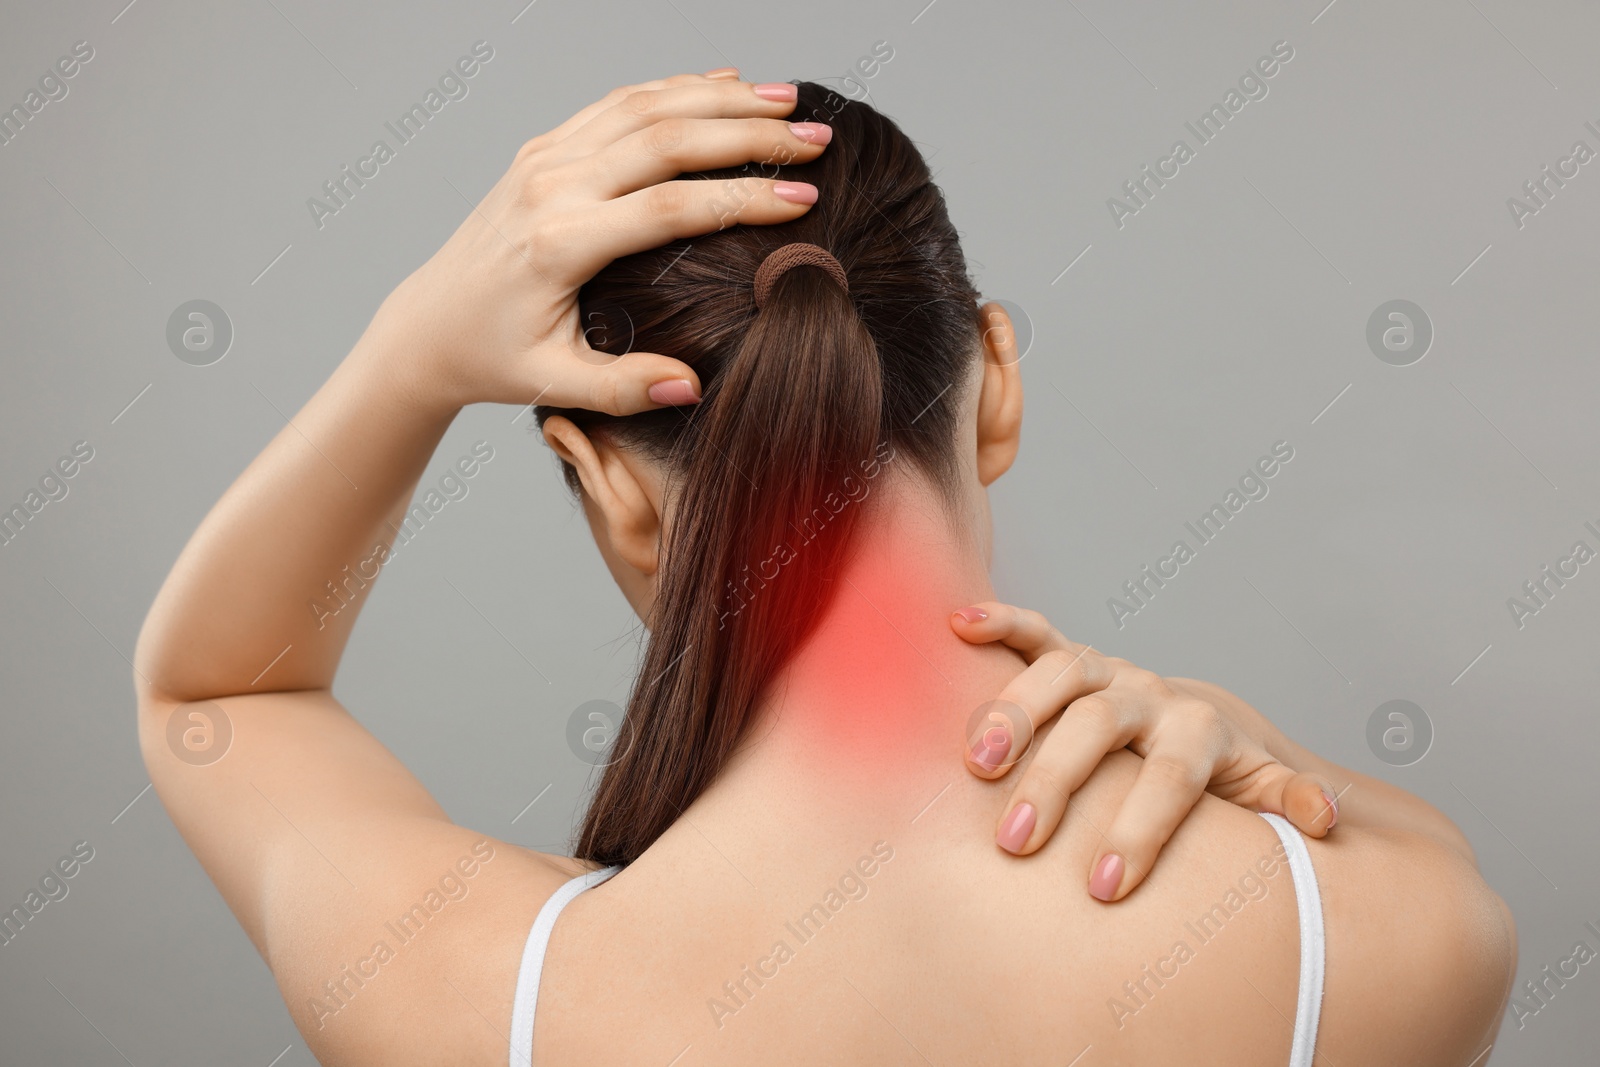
x=392, y=364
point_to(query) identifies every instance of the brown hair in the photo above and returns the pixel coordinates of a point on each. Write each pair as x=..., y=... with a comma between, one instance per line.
x=804, y=399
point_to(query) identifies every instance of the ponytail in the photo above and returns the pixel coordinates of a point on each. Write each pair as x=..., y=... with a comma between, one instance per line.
x=765, y=494
x=809, y=370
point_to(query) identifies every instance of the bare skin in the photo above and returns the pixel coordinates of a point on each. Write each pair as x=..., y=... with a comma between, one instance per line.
x=951, y=950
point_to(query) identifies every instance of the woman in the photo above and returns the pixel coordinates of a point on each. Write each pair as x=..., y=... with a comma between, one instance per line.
x=785, y=472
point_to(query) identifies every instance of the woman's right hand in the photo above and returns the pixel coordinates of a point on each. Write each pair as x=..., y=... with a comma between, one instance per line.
x=493, y=315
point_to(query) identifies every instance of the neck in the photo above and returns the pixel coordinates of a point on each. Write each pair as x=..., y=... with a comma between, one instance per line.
x=883, y=685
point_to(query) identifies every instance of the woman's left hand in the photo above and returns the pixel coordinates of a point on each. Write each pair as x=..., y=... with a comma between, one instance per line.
x=1189, y=745
x=493, y=316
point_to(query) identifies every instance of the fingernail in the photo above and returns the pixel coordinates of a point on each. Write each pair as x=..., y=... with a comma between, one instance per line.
x=675, y=391
x=795, y=192
x=812, y=132
x=1333, y=808
x=1015, y=830
x=723, y=72
x=777, y=91
x=973, y=614
x=991, y=748
x=1107, y=876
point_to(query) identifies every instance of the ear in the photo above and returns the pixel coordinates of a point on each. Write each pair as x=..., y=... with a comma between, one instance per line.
x=622, y=499
x=1000, y=395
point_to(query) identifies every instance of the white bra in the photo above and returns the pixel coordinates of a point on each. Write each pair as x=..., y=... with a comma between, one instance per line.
x=1308, y=900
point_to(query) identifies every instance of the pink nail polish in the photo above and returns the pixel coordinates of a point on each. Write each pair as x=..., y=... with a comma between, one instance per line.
x=675, y=391
x=1107, y=877
x=991, y=748
x=1015, y=830
x=795, y=192
x=973, y=614
x=1333, y=809
x=777, y=91
x=812, y=132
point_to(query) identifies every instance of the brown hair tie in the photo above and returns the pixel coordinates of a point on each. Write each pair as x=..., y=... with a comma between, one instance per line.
x=795, y=254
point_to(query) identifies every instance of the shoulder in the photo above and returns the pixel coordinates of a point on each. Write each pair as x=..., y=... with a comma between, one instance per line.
x=1420, y=951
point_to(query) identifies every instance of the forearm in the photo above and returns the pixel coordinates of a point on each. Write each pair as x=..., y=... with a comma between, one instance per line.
x=1363, y=800
x=281, y=565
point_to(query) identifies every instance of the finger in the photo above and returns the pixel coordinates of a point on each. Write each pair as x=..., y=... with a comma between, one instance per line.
x=1026, y=631
x=611, y=99
x=1168, y=786
x=1090, y=728
x=702, y=99
x=652, y=217
x=1307, y=800
x=621, y=385
x=677, y=146
x=1047, y=686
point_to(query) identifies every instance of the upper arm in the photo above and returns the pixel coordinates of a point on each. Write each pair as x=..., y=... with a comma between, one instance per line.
x=1421, y=952
x=322, y=843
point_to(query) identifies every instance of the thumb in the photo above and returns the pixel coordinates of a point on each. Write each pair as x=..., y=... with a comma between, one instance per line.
x=625, y=385
x=1309, y=801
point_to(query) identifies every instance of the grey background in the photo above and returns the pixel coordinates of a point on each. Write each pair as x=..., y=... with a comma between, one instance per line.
x=1230, y=313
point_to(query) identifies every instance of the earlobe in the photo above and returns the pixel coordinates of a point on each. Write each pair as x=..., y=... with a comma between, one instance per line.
x=623, y=500
x=999, y=396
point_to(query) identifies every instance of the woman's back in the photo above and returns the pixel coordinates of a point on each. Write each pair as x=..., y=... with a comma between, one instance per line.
x=950, y=951
x=780, y=924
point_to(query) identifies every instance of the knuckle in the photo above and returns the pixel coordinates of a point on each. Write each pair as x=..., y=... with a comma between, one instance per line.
x=603, y=394
x=771, y=141
x=1043, y=785
x=748, y=190
x=666, y=137
x=529, y=148
x=536, y=185
x=1100, y=669
x=1202, y=714
x=1097, y=714
x=640, y=104
x=669, y=198
x=1030, y=621
x=1146, y=681
x=1173, y=772
x=734, y=196
x=1058, y=661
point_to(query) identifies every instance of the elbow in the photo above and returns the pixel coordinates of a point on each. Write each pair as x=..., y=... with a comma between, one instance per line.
x=152, y=700
x=167, y=668
x=184, y=655
x=152, y=666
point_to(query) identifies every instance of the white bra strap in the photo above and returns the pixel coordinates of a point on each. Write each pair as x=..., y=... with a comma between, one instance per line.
x=527, y=994
x=1313, y=944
